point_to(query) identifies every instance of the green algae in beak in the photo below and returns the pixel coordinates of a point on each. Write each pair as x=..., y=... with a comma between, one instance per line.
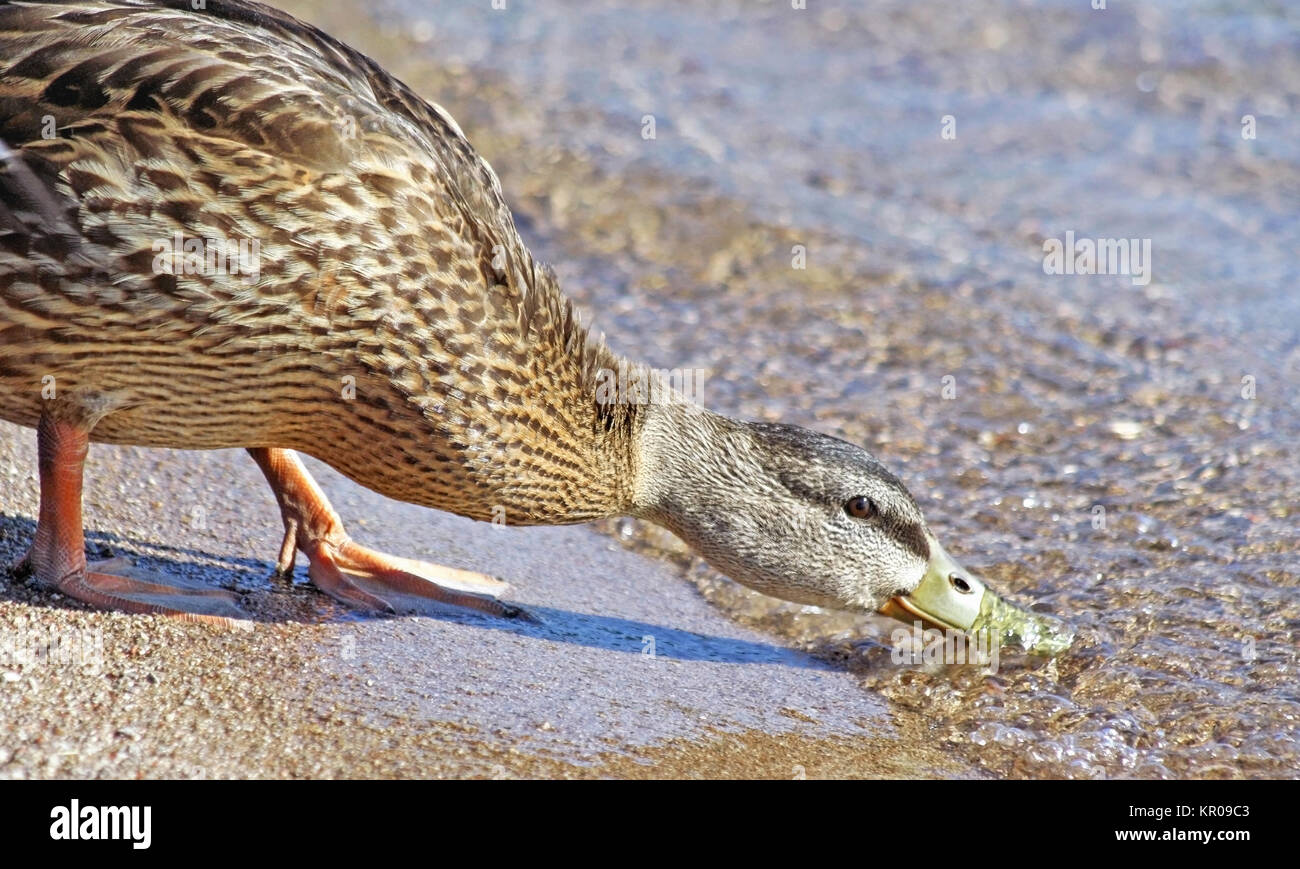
x=1036, y=633
x=951, y=598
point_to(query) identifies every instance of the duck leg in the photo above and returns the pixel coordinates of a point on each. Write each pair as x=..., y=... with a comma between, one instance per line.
x=354, y=574
x=58, y=554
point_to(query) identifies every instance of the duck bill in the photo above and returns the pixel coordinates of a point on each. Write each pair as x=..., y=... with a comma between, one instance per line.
x=948, y=598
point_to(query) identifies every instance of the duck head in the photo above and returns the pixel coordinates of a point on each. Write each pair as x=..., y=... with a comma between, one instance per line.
x=798, y=515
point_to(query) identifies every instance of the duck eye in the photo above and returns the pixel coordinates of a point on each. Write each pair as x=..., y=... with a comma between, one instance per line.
x=860, y=507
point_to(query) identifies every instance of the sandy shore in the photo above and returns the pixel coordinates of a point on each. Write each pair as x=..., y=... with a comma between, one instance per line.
x=313, y=691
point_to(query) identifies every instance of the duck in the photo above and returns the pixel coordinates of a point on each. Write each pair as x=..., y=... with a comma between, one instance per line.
x=222, y=228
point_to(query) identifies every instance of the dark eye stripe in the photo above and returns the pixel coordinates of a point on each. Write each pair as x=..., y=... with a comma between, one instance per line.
x=912, y=535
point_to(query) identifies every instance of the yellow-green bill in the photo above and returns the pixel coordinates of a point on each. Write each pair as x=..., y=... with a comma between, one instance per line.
x=951, y=598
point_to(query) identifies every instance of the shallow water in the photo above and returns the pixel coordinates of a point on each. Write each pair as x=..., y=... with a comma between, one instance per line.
x=1113, y=453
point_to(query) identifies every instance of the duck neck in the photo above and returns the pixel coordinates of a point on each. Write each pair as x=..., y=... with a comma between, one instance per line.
x=644, y=449
x=686, y=456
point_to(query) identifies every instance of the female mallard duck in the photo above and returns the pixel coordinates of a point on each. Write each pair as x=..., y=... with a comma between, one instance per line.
x=368, y=302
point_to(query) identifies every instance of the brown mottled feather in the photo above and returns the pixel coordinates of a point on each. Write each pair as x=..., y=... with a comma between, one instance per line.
x=131, y=122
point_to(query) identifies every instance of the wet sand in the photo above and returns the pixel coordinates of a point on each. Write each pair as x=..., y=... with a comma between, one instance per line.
x=312, y=690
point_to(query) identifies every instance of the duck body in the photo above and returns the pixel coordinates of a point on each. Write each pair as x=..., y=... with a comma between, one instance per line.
x=220, y=227
x=367, y=230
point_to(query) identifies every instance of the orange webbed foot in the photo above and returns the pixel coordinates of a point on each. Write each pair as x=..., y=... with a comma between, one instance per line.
x=357, y=575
